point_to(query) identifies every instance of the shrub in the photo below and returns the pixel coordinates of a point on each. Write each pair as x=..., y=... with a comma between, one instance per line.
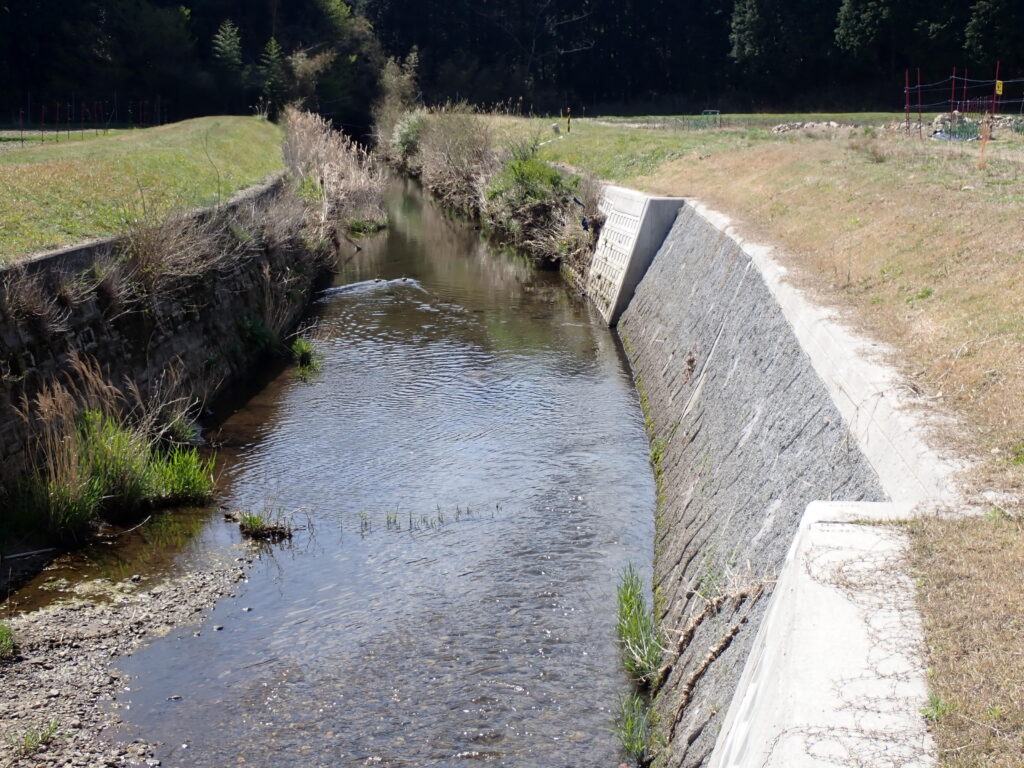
x=398, y=90
x=405, y=138
x=526, y=178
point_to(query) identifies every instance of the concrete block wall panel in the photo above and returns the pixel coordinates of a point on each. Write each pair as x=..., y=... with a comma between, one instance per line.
x=745, y=436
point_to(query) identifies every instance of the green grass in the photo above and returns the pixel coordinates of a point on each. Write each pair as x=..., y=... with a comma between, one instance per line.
x=8, y=645
x=634, y=728
x=639, y=638
x=525, y=177
x=267, y=525
x=29, y=741
x=57, y=194
x=109, y=469
x=307, y=359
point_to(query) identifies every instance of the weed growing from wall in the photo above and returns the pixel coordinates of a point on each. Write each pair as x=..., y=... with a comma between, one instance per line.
x=642, y=648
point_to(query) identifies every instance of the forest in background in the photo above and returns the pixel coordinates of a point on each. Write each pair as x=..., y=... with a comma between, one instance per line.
x=181, y=58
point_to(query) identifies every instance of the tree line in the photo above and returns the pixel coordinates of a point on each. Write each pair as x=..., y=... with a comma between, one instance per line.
x=690, y=55
x=192, y=56
x=205, y=56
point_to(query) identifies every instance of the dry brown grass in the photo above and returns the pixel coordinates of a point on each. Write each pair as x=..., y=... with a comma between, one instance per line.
x=28, y=300
x=336, y=177
x=167, y=256
x=970, y=579
x=457, y=156
x=919, y=246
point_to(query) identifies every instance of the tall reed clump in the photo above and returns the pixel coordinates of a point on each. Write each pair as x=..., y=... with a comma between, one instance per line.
x=337, y=179
x=642, y=648
x=99, y=452
x=639, y=637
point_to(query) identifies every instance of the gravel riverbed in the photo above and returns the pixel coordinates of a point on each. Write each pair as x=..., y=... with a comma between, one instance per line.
x=63, y=679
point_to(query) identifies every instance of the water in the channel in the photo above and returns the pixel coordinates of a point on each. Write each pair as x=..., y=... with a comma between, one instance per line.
x=472, y=464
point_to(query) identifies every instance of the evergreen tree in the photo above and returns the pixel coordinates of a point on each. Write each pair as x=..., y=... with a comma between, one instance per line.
x=227, y=47
x=273, y=76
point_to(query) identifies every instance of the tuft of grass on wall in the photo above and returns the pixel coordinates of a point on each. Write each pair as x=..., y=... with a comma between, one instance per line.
x=639, y=638
x=634, y=728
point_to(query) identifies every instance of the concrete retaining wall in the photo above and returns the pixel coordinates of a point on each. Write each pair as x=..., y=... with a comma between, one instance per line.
x=208, y=332
x=747, y=436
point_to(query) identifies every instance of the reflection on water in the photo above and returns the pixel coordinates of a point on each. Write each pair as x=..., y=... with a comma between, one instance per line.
x=473, y=462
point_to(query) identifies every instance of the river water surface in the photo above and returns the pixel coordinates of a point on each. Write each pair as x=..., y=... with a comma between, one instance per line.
x=472, y=466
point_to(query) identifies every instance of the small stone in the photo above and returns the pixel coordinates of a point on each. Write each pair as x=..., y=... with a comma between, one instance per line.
x=175, y=697
x=218, y=628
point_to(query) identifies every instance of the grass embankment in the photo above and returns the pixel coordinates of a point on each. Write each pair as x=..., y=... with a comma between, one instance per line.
x=57, y=194
x=918, y=244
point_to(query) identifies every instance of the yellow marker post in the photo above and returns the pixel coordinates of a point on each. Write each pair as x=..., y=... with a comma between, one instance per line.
x=999, y=87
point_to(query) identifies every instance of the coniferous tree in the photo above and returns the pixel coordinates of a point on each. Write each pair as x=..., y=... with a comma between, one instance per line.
x=273, y=76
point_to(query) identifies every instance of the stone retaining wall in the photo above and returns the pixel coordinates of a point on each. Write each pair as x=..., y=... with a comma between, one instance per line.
x=209, y=331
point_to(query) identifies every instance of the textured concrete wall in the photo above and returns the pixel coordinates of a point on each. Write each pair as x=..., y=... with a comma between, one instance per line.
x=744, y=437
x=208, y=331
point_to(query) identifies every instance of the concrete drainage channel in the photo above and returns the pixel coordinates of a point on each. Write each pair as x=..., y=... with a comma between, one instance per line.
x=781, y=449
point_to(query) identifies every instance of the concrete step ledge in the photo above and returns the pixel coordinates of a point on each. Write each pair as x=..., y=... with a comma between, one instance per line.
x=835, y=677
